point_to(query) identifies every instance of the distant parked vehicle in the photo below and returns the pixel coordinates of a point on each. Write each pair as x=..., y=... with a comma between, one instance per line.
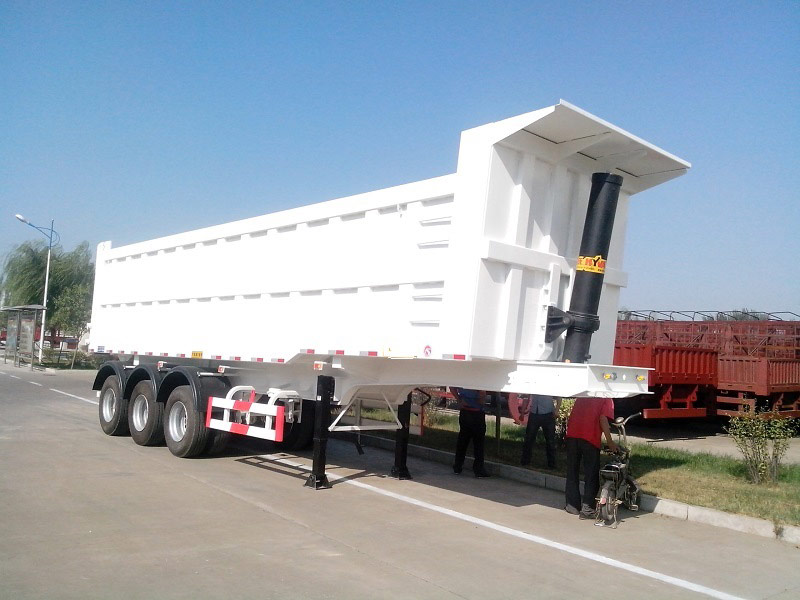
x=712, y=367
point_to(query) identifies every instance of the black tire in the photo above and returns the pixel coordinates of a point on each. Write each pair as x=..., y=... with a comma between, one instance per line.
x=299, y=436
x=184, y=426
x=113, y=408
x=217, y=442
x=145, y=415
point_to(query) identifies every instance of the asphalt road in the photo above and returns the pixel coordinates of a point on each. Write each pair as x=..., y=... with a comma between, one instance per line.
x=85, y=515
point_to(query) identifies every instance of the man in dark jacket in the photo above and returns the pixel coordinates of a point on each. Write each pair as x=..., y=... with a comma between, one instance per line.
x=541, y=413
x=472, y=426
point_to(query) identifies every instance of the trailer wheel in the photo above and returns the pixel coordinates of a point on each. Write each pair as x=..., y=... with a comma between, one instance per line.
x=184, y=426
x=299, y=436
x=217, y=442
x=113, y=408
x=145, y=415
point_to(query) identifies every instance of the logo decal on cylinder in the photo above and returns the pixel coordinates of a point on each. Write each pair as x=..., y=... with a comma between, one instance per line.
x=592, y=264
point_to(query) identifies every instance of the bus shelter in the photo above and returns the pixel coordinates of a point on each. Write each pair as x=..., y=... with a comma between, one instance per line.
x=21, y=333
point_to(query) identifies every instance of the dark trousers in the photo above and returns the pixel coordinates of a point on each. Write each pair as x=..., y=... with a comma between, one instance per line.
x=471, y=426
x=578, y=451
x=548, y=424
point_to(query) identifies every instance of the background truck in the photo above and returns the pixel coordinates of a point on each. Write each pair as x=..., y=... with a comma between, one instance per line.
x=504, y=276
x=707, y=365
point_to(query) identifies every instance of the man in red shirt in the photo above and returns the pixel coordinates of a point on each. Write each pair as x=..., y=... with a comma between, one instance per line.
x=587, y=422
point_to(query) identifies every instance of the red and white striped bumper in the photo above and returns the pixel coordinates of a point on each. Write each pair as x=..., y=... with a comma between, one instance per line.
x=272, y=429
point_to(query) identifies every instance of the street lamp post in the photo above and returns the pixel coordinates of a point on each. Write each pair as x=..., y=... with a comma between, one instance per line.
x=49, y=234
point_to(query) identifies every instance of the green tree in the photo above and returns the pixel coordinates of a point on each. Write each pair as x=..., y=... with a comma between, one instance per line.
x=22, y=279
x=73, y=311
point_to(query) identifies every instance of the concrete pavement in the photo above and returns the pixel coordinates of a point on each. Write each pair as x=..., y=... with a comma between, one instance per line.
x=697, y=437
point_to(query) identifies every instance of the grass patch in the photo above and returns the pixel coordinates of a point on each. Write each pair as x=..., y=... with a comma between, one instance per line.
x=699, y=479
x=716, y=482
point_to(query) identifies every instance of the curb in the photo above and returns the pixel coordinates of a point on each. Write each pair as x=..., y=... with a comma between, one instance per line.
x=660, y=506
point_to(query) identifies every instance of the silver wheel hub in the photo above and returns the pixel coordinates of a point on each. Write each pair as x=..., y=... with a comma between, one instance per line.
x=109, y=402
x=176, y=421
x=139, y=412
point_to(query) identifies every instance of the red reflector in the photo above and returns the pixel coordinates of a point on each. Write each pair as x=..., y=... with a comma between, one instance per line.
x=149, y=353
x=135, y=353
x=217, y=358
x=372, y=353
x=278, y=360
x=339, y=352
x=239, y=428
x=237, y=358
x=459, y=357
x=165, y=354
x=182, y=355
x=310, y=351
x=259, y=360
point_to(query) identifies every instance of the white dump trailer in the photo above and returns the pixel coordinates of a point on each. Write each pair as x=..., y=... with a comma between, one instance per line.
x=447, y=281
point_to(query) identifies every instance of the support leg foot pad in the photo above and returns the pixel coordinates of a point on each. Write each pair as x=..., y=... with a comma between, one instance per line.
x=400, y=473
x=317, y=483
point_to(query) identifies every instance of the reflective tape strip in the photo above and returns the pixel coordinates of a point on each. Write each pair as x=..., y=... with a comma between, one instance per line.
x=368, y=353
x=278, y=360
x=239, y=428
x=208, y=411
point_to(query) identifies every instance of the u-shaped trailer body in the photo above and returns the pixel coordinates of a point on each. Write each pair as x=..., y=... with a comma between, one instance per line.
x=471, y=279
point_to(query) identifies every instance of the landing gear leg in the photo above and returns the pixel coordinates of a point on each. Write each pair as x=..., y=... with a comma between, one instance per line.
x=322, y=420
x=400, y=468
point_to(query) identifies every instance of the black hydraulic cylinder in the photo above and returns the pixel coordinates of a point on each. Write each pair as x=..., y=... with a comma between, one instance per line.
x=591, y=266
x=322, y=420
x=400, y=468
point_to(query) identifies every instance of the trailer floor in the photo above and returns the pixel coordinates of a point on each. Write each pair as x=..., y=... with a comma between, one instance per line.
x=91, y=516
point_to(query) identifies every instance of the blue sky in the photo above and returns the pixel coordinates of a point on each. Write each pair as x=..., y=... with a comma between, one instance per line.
x=132, y=120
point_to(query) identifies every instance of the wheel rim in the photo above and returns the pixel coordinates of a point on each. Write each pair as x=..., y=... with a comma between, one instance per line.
x=140, y=412
x=109, y=404
x=177, y=421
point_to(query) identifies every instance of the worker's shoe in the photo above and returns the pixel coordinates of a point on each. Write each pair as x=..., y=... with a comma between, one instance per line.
x=482, y=473
x=587, y=512
x=571, y=509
